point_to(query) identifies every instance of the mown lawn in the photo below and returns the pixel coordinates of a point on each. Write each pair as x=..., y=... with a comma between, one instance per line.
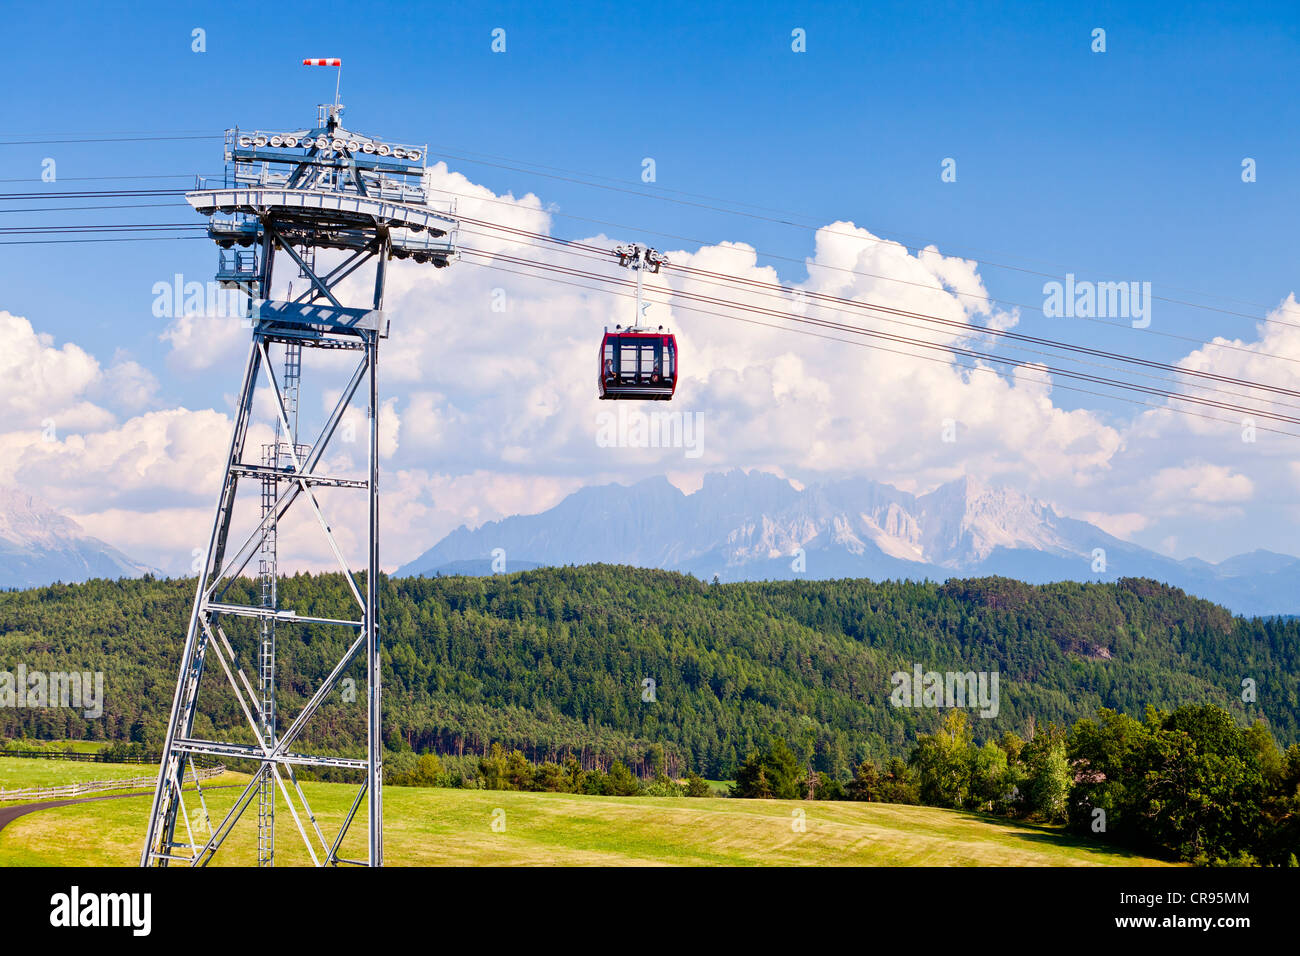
x=455, y=827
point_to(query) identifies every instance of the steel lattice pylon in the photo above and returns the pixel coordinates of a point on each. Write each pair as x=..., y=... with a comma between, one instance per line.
x=299, y=193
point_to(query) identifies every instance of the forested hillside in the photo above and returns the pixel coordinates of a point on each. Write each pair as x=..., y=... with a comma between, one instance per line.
x=557, y=661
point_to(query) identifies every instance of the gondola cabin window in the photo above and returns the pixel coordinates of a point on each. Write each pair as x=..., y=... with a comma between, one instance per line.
x=638, y=365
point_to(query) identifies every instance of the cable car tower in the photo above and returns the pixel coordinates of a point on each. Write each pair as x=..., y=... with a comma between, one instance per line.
x=356, y=199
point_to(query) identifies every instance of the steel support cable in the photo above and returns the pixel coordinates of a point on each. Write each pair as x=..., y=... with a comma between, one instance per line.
x=601, y=255
x=55, y=242
x=821, y=323
x=92, y=194
x=949, y=363
x=147, y=205
x=104, y=227
x=978, y=297
x=964, y=328
x=106, y=139
x=999, y=333
x=812, y=224
x=815, y=228
x=536, y=168
x=919, y=249
x=83, y=179
x=926, y=317
x=971, y=331
x=984, y=298
x=869, y=275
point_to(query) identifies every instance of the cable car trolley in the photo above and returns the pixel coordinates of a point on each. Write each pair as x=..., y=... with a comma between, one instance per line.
x=637, y=362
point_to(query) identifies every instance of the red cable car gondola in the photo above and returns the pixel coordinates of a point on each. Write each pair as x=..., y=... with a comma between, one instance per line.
x=638, y=364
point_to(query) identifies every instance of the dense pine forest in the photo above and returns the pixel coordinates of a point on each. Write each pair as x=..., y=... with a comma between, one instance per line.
x=612, y=663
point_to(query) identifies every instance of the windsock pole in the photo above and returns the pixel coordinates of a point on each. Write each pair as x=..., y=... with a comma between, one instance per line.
x=329, y=61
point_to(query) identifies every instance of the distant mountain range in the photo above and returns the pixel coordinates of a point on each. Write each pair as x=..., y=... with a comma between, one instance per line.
x=749, y=526
x=754, y=526
x=39, y=546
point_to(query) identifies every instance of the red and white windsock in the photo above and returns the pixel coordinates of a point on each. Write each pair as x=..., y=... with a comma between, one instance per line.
x=335, y=61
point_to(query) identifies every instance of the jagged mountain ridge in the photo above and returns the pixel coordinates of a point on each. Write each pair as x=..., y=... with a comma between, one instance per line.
x=750, y=526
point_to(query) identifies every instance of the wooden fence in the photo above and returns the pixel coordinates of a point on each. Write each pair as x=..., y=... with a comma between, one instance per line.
x=96, y=786
x=95, y=757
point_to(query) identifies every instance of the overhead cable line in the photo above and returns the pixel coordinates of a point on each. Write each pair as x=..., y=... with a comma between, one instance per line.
x=949, y=363
x=917, y=343
x=919, y=250
x=971, y=331
x=655, y=191
x=104, y=139
x=991, y=301
x=964, y=327
x=926, y=317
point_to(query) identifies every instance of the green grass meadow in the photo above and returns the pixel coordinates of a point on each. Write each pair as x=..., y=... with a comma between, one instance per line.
x=440, y=827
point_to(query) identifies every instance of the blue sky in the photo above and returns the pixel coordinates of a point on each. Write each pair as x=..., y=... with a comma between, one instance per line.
x=1117, y=165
